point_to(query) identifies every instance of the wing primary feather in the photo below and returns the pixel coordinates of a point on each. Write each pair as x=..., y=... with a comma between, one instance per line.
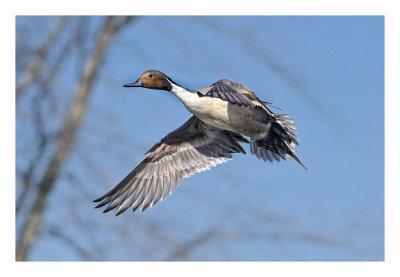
x=151, y=195
x=129, y=198
x=160, y=187
x=146, y=192
x=113, y=197
x=117, y=187
x=172, y=185
x=179, y=178
x=166, y=188
x=138, y=193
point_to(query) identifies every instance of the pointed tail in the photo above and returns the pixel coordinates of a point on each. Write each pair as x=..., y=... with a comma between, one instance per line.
x=280, y=141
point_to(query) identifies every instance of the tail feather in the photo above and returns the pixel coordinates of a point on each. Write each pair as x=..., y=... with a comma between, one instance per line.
x=280, y=141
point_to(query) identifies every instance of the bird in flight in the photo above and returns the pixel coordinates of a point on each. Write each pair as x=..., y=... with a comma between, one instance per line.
x=223, y=113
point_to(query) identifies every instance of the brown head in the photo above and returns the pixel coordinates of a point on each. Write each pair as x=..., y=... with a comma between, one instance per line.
x=152, y=79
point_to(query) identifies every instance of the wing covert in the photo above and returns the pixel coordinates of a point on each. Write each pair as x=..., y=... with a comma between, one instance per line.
x=234, y=93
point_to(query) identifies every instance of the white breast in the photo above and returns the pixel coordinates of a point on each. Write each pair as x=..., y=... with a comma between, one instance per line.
x=221, y=114
x=191, y=100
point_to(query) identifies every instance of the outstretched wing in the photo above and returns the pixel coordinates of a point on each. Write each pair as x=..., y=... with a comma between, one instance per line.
x=193, y=147
x=233, y=92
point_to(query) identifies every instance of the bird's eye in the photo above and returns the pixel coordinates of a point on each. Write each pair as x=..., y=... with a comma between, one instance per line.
x=150, y=76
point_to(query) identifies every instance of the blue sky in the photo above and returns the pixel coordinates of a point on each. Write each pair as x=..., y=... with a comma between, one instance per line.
x=326, y=72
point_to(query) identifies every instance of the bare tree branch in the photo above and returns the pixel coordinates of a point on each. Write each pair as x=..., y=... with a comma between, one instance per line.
x=39, y=120
x=36, y=63
x=71, y=125
x=71, y=243
x=182, y=252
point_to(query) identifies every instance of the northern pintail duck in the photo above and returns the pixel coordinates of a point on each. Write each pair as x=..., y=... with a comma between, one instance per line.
x=223, y=113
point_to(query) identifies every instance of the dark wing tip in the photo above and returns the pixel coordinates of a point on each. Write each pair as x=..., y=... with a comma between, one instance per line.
x=98, y=199
x=120, y=212
x=144, y=207
x=100, y=205
x=109, y=208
